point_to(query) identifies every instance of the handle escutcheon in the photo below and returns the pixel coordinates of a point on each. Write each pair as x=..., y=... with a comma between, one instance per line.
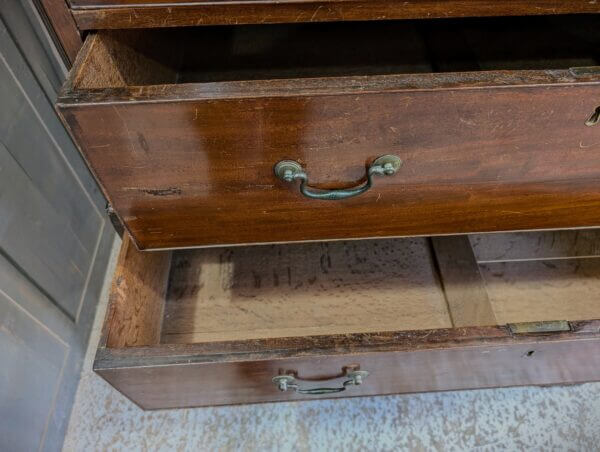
x=290, y=171
x=287, y=382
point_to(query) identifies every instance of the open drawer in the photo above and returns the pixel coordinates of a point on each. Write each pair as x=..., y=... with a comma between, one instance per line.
x=494, y=123
x=256, y=324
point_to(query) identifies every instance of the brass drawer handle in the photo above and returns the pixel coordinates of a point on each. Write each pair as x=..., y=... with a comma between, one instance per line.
x=289, y=171
x=285, y=382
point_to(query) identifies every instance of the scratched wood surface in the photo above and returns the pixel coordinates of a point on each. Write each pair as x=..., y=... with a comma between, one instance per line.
x=95, y=14
x=177, y=376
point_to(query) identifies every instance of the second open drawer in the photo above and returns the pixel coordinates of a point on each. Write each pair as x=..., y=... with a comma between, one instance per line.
x=240, y=325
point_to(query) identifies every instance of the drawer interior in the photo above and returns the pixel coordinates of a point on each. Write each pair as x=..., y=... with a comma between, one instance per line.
x=257, y=52
x=368, y=286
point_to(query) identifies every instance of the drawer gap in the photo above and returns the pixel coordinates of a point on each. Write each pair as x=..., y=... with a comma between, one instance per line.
x=119, y=58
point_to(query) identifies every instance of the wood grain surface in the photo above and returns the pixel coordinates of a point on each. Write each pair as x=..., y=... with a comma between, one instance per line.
x=98, y=14
x=194, y=166
x=63, y=25
x=302, y=290
x=463, y=286
x=137, y=298
x=565, y=289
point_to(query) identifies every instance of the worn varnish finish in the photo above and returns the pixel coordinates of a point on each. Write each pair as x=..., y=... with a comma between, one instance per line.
x=215, y=362
x=424, y=361
x=194, y=166
x=63, y=25
x=97, y=14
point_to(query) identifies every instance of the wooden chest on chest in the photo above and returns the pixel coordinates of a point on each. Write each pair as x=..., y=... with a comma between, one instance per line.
x=214, y=125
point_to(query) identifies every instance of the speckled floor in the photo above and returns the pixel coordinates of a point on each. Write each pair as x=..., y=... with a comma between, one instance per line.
x=515, y=419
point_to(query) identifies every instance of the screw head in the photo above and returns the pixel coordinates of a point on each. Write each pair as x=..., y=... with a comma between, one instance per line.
x=288, y=175
x=282, y=381
x=388, y=169
x=390, y=164
x=358, y=376
x=285, y=170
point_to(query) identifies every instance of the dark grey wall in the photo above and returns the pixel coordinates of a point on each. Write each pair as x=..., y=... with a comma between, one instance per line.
x=54, y=240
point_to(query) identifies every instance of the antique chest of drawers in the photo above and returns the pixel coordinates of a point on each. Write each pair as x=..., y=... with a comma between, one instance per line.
x=232, y=325
x=213, y=124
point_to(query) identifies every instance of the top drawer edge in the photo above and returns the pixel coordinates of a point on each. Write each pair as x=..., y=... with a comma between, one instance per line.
x=106, y=14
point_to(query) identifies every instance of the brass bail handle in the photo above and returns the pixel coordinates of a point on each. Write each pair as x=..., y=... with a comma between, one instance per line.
x=289, y=382
x=290, y=171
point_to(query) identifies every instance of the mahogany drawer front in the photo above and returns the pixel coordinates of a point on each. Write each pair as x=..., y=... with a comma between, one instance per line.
x=95, y=14
x=192, y=164
x=160, y=382
x=214, y=326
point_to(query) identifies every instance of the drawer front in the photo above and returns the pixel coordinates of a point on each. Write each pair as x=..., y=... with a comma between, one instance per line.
x=418, y=362
x=192, y=165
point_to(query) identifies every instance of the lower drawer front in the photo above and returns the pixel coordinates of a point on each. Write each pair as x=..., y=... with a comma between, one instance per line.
x=474, y=160
x=490, y=359
x=192, y=164
x=214, y=327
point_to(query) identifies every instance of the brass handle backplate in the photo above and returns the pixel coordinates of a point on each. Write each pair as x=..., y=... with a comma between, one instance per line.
x=287, y=382
x=290, y=171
